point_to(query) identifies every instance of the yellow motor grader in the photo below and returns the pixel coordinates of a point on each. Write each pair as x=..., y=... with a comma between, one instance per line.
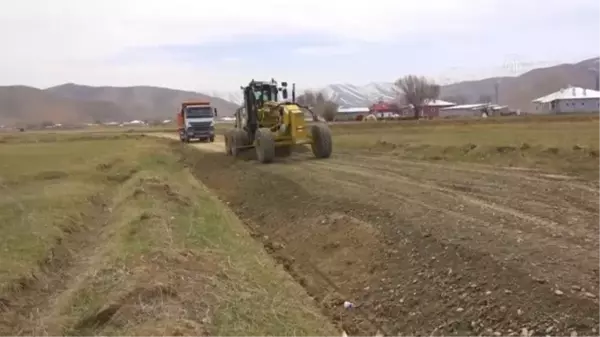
x=274, y=127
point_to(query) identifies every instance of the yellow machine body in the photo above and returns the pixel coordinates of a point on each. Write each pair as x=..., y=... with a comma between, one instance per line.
x=265, y=123
x=287, y=122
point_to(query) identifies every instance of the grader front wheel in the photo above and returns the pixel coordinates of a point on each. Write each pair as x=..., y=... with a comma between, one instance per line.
x=265, y=145
x=321, y=141
x=228, y=143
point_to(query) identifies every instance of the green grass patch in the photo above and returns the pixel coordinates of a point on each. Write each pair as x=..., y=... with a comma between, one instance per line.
x=148, y=249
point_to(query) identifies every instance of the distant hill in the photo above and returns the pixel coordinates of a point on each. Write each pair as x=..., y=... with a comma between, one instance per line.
x=73, y=103
x=21, y=104
x=518, y=92
x=140, y=101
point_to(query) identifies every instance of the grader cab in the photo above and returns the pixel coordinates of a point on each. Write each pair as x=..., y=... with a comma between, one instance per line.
x=274, y=127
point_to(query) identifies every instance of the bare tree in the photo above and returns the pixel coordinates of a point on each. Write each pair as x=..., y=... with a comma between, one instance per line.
x=329, y=111
x=307, y=98
x=320, y=99
x=417, y=90
x=320, y=105
x=310, y=98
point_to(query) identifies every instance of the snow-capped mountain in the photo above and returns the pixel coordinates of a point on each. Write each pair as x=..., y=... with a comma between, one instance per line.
x=347, y=95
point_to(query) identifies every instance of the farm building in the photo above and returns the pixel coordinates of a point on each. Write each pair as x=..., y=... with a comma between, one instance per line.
x=382, y=109
x=351, y=114
x=432, y=108
x=568, y=100
x=473, y=110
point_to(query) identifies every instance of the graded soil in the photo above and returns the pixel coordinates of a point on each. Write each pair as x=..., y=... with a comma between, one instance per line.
x=422, y=248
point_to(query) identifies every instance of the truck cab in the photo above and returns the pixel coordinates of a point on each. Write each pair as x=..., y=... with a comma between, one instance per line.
x=196, y=120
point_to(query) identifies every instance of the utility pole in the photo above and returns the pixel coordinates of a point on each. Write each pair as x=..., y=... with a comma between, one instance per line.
x=497, y=92
x=596, y=78
x=596, y=69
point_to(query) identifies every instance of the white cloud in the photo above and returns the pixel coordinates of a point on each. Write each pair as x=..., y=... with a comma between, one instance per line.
x=49, y=42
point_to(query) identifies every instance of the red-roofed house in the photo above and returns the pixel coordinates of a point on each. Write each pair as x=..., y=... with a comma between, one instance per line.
x=383, y=109
x=430, y=109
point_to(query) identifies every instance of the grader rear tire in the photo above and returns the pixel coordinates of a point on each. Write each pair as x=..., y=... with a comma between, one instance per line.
x=321, y=141
x=265, y=145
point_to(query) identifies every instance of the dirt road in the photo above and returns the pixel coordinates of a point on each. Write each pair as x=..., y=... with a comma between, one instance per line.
x=217, y=146
x=420, y=247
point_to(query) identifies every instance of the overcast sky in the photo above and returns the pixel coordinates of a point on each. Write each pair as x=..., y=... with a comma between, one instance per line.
x=221, y=44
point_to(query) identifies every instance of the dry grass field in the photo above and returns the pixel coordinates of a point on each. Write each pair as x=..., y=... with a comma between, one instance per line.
x=113, y=235
x=560, y=144
x=472, y=227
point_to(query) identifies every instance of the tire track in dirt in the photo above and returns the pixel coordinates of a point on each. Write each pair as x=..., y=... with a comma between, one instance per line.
x=548, y=203
x=217, y=146
x=508, y=172
x=433, y=262
x=541, y=235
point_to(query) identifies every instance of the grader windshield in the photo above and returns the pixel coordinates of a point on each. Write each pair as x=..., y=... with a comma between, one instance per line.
x=265, y=91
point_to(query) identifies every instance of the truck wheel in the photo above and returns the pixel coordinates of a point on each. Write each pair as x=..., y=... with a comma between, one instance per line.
x=265, y=145
x=321, y=141
x=212, y=139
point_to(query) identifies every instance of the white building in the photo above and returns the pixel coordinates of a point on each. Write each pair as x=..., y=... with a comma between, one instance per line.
x=350, y=114
x=568, y=100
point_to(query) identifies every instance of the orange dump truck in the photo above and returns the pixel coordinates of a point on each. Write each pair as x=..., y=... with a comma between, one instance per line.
x=196, y=120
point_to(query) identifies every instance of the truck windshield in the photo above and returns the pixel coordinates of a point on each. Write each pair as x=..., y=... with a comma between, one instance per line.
x=199, y=112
